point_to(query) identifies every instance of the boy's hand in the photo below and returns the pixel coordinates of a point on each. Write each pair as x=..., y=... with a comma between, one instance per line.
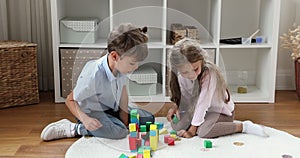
x=91, y=124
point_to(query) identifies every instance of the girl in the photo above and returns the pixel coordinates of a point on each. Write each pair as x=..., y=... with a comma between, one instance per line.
x=200, y=96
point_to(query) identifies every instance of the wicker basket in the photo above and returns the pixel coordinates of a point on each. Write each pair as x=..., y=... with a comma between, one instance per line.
x=18, y=74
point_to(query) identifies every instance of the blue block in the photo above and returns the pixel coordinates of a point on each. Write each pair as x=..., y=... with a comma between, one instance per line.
x=134, y=120
x=133, y=134
x=152, y=133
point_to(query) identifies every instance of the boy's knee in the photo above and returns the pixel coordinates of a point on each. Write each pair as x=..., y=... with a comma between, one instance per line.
x=122, y=134
x=119, y=134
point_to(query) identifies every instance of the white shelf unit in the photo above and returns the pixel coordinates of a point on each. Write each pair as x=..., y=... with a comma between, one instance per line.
x=221, y=19
x=259, y=60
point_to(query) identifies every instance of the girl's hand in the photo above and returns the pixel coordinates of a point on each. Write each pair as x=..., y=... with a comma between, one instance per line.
x=171, y=112
x=184, y=134
x=192, y=130
x=91, y=124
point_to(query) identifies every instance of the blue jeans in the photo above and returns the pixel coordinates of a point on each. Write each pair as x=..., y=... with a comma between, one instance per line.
x=112, y=126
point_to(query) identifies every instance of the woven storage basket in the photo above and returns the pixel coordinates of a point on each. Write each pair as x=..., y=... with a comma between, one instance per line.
x=18, y=74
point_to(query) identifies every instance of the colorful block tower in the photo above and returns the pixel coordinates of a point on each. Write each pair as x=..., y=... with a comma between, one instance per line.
x=153, y=135
x=133, y=137
x=134, y=118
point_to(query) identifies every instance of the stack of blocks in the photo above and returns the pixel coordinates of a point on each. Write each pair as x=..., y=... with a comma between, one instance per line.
x=143, y=138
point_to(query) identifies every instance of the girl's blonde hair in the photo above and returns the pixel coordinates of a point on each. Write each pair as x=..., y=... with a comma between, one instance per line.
x=128, y=40
x=188, y=51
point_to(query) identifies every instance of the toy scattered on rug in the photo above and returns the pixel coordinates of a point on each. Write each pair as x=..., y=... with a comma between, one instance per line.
x=125, y=156
x=287, y=156
x=207, y=144
x=238, y=143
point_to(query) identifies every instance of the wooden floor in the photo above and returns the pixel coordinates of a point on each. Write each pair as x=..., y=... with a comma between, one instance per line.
x=20, y=127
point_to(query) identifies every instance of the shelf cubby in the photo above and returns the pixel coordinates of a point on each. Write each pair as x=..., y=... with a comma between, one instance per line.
x=214, y=19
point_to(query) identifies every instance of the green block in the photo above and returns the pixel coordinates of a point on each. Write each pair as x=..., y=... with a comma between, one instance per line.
x=175, y=119
x=207, y=144
x=173, y=132
x=133, y=113
x=123, y=156
x=143, y=128
x=148, y=126
x=140, y=150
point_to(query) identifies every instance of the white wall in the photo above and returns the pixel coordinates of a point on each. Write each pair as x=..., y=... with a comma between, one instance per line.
x=285, y=67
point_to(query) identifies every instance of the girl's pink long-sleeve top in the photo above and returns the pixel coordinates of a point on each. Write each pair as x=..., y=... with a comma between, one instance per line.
x=208, y=100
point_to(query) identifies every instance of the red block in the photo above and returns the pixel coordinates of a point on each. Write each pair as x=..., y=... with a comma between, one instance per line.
x=138, y=142
x=132, y=143
x=171, y=141
x=147, y=142
x=166, y=139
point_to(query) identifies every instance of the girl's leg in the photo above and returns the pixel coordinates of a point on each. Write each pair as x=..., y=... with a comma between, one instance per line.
x=112, y=127
x=216, y=125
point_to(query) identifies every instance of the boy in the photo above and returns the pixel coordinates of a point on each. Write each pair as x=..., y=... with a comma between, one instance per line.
x=99, y=100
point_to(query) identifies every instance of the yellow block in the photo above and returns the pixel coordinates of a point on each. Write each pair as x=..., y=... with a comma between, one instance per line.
x=163, y=131
x=146, y=154
x=132, y=127
x=153, y=142
x=153, y=127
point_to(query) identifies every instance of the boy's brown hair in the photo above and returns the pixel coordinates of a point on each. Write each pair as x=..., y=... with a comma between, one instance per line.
x=128, y=40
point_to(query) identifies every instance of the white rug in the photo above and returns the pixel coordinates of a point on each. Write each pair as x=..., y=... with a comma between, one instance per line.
x=279, y=145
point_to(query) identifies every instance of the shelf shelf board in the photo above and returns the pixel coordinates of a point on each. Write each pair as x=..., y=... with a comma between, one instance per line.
x=203, y=45
x=254, y=94
x=101, y=43
x=155, y=43
x=245, y=46
x=153, y=98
